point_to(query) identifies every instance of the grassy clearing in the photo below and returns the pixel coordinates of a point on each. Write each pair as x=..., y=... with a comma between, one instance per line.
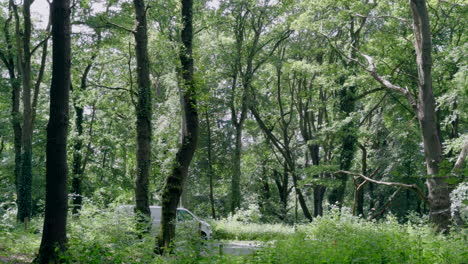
x=234, y=230
x=104, y=237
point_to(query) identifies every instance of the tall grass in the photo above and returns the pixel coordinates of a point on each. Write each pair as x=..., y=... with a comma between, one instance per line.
x=102, y=236
x=341, y=238
x=235, y=230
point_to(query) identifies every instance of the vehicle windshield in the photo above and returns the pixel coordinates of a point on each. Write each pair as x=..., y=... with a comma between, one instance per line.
x=183, y=216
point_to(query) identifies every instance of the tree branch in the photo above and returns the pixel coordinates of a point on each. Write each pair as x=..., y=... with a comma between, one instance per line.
x=42, y=42
x=121, y=27
x=385, y=206
x=373, y=71
x=366, y=93
x=385, y=16
x=461, y=158
x=413, y=187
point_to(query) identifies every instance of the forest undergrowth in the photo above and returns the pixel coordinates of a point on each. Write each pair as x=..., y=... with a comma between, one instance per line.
x=102, y=236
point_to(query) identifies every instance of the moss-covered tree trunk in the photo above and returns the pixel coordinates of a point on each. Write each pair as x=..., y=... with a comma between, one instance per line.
x=174, y=182
x=54, y=236
x=143, y=112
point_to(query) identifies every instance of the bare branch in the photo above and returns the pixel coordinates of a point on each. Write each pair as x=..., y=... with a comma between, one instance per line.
x=366, y=93
x=461, y=158
x=113, y=88
x=120, y=26
x=413, y=187
x=373, y=71
x=385, y=206
x=372, y=110
x=41, y=43
x=453, y=4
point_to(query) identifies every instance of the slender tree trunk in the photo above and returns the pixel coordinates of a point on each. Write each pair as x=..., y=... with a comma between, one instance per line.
x=358, y=207
x=235, y=181
x=439, y=191
x=175, y=181
x=78, y=162
x=371, y=197
x=54, y=233
x=300, y=197
x=319, y=193
x=143, y=112
x=24, y=54
x=9, y=60
x=210, y=164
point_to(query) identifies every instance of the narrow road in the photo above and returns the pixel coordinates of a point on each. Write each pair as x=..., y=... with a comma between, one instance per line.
x=237, y=248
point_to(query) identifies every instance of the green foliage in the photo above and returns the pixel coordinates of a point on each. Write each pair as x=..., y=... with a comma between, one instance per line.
x=234, y=228
x=342, y=238
x=105, y=236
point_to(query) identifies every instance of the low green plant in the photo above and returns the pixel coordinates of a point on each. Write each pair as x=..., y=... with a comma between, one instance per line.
x=104, y=236
x=342, y=238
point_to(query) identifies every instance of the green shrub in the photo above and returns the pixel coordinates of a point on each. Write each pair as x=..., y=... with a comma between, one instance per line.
x=342, y=238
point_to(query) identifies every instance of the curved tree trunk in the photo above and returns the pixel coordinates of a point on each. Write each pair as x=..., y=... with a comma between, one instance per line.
x=54, y=233
x=173, y=188
x=143, y=112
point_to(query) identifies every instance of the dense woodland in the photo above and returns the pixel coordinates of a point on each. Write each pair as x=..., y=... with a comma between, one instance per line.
x=316, y=119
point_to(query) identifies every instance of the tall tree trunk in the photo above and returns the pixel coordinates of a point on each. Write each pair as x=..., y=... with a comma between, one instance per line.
x=54, y=233
x=236, y=175
x=210, y=164
x=439, y=191
x=143, y=112
x=319, y=193
x=24, y=59
x=348, y=146
x=347, y=107
x=8, y=59
x=173, y=188
x=237, y=120
x=78, y=159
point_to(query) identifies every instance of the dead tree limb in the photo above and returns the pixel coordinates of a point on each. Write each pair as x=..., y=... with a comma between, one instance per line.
x=412, y=187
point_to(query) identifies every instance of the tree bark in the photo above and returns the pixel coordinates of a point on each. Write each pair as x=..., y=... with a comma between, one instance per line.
x=143, y=113
x=54, y=232
x=439, y=191
x=174, y=182
x=23, y=39
x=237, y=121
x=210, y=164
x=236, y=176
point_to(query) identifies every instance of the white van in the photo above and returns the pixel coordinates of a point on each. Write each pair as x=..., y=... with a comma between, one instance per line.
x=184, y=217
